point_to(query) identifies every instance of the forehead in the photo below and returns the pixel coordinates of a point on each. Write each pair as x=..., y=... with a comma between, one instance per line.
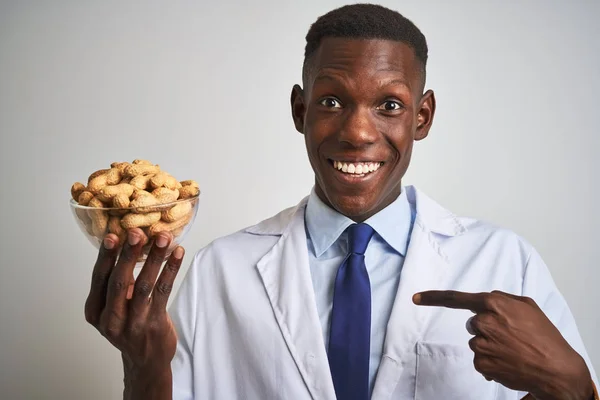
x=364, y=58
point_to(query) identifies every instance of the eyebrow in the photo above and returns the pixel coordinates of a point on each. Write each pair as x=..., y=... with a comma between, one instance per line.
x=397, y=81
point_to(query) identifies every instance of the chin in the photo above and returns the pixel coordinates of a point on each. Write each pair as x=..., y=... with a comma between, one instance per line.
x=352, y=206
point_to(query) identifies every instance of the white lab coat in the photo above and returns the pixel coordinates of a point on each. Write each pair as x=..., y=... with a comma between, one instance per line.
x=248, y=326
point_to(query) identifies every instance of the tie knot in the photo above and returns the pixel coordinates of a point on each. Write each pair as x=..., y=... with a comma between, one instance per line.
x=359, y=236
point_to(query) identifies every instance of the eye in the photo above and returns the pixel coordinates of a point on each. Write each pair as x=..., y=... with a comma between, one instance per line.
x=390, y=105
x=330, y=102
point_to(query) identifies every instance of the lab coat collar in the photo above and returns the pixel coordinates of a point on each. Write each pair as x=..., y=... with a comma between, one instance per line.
x=433, y=216
x=285, y=274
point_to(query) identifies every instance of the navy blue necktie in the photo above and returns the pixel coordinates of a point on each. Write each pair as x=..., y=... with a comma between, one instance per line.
x=350, y=335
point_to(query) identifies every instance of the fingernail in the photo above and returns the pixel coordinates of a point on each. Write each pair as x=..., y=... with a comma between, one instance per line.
x=417, y=298
x=108, y=244
x=178, y=253
x=133, y=239
x=161, y=241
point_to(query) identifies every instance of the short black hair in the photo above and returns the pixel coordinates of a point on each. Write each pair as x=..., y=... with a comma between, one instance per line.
x=365, y=21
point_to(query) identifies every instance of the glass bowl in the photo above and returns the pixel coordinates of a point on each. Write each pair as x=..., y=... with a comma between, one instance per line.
x=96, y=223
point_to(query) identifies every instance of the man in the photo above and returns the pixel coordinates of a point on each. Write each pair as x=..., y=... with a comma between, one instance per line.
x=366, y=289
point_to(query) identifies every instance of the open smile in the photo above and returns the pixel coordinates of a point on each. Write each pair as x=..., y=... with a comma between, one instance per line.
x=355, y=171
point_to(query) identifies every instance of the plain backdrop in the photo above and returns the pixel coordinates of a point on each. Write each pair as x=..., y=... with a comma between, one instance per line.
x=202, y=88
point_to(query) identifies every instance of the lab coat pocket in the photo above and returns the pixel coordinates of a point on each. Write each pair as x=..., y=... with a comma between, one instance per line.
x=446, y=371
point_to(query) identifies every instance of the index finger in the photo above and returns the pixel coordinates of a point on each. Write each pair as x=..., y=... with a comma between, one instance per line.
x=452, y=299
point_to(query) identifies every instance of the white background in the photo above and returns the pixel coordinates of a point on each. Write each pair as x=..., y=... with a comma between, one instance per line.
x=203, y=90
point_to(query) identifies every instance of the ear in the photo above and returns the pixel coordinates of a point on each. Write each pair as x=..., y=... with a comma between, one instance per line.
x=298, y=108
x=425, y=116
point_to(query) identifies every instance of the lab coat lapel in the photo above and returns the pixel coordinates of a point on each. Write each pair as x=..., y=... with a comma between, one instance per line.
x=286, y=276
x=425, y=268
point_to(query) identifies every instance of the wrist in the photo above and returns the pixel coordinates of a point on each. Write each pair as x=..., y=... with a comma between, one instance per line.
x=150, y=386
x=153, y=383
x=573, y=382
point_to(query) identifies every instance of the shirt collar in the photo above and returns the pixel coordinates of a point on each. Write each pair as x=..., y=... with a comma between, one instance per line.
x=325, y=225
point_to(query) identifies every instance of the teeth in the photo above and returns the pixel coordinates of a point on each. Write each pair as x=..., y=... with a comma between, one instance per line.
x=356, y=168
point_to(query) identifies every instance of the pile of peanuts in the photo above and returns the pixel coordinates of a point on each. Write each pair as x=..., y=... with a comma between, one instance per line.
x=140, y=193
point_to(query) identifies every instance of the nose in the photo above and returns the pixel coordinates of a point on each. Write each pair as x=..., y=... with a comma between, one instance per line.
x=358, y=128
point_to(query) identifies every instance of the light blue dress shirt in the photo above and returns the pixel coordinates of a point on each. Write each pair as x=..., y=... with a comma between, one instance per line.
x=327, y=247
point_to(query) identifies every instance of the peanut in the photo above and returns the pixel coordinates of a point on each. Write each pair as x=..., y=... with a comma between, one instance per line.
x=144, y=204
x=120, y=166
x=99, y=218
x=158, y=180
x=165, y=195
x=76, y=190
x=176, y=212
x=121, y=200
x=141, y=181
x=142, y=162
x=96, y=203
x=113, y=176
x=188, y=191
x=132, y=220
x=189, y=183
x=97, y=183
x=103, y=198
x=111, y=191
x=137, y=193
x=97, y=173
x=141, y=169
x=114, y=226
x=164, y=179
x=84, y=218
x=169, y=226
x=85, y=197
x=171, y=183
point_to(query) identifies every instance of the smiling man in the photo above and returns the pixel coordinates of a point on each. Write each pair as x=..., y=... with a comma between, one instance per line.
x=361, y=111
x=367, y=288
